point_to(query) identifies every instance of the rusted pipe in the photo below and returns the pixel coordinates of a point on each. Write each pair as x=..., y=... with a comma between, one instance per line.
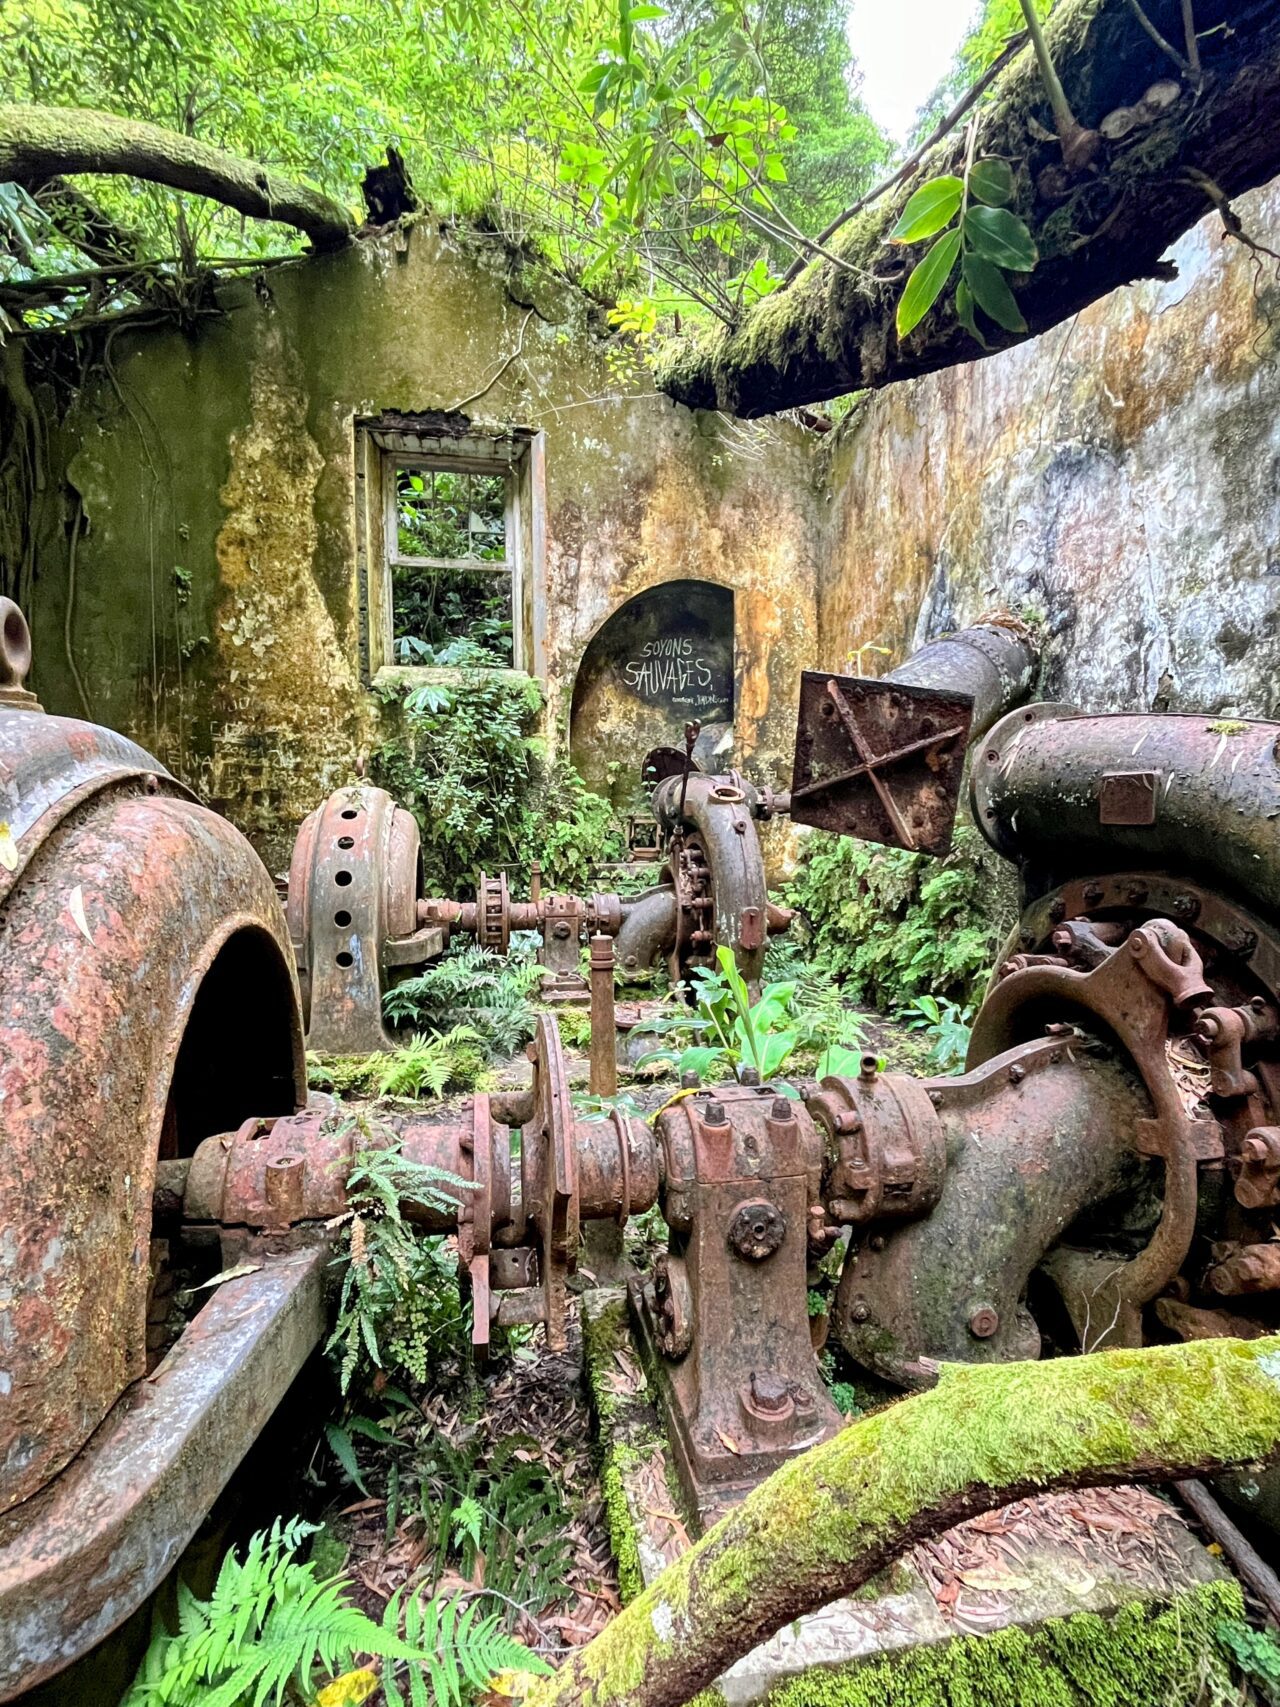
x=604, y=1047
x=648, y=927
x=1249, y=1563
x=1064, y=795
x=718, y=810
x=994, y=662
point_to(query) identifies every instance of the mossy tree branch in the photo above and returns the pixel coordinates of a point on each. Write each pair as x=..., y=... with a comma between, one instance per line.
x=1103, y=225
x=39, y=143
x=836, y=1516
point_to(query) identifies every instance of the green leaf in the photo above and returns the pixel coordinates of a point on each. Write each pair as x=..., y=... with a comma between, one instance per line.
x=1000, y=236
x=925, y=285
x=932, y=206
x=965, y=314
x=343, y=1449
x=992, y=181
x=991, y=292
x=642, y=14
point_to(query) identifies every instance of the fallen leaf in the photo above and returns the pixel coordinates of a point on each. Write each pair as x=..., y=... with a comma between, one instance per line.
x=349, y=1690
x=994, y=1581
x=511, y=1685
x=729, y=1445
x=75, y=906
x=8, y=848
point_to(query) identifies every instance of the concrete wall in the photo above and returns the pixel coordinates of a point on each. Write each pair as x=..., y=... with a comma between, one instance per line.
x=211, y=491
x=1118, y=478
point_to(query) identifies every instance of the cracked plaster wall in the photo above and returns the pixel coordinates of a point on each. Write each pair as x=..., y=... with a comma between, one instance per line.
x=1117, y=479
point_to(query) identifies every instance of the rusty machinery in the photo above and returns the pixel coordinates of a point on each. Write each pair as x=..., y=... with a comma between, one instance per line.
x=1107, y=1169
x=357, y=918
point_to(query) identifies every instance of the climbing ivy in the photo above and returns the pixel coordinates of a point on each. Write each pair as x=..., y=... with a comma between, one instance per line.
x=895, y=926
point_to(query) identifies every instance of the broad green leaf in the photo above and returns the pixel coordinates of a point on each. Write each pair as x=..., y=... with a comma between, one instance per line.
x=1000, y=236
x=991, y=292
x=642, y=14
x=965, y=314
x=932, y=206
x=992, y=181
x=925, y=285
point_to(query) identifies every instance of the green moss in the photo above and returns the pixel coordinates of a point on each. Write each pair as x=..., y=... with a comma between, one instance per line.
x=1138, y=1657
x=623, y=1537
x=1228, y=726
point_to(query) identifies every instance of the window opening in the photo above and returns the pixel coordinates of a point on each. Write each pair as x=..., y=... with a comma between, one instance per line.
x=452, y=563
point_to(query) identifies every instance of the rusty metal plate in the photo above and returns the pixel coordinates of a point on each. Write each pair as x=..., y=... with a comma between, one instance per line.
x=879, y=760
x=1128, y=797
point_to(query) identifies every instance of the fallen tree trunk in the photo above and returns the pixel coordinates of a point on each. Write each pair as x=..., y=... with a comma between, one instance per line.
x=39, y=143
x=832, y=331
x=836, y=1516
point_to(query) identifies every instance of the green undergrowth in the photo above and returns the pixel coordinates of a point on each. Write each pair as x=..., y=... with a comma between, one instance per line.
x=450, y=1063
x=1143, y=1655
x=894, y=926
x=467, y=759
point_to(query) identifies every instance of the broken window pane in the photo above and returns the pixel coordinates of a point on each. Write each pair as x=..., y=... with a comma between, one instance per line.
x=436, y=607
x=448, y=514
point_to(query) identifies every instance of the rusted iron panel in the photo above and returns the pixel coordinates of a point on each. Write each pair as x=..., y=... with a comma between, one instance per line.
x=879, y=760
x=1128, y=797
x=80, y=1556
x=104, y=949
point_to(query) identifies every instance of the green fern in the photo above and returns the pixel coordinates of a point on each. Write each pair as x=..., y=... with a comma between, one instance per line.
x=455, y=1059
x=472, y=986
x=463, y=1652
x=271, y=1624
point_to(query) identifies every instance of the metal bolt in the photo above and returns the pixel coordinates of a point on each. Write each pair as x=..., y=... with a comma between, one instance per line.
x=1058, y=911
x=1093, y=893
x=1253, y=1150
x=876, y=1241
x=935, y=1097
x=1017, y=1074
x=769, y=1393
x=748, y=1076
x=861, y=1311
x=781, y=1109
x=869, y=1068
x=689, y=1080
x=715, y=1115
x=983, y=1322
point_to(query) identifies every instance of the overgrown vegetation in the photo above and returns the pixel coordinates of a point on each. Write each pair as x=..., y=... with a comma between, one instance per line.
x=798, y=1016
x=674, y=150
x=275, y=1630
x=473, y=987
x=399, y=1304
x=894, y=926
x=486, y=795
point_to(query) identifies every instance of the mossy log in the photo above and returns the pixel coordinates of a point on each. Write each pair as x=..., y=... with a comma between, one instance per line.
x=1104, y=225
x=38, y=143
x=838, y=1515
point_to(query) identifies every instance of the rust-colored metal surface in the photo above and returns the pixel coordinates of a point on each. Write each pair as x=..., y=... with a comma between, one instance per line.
x=725, y=1312
x=1032, y=1137
x=142, y=953
x=354, y=881
x=78, y=1557
x=1043, y=796
x=603, y=1081
x=879, y=760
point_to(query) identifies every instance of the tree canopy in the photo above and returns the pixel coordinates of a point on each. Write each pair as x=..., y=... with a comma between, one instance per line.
x=677, y=154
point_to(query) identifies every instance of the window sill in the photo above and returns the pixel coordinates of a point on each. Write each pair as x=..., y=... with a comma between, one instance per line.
x=396, y=677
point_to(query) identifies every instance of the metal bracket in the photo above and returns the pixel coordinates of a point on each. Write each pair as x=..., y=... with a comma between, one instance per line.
x=880, y=760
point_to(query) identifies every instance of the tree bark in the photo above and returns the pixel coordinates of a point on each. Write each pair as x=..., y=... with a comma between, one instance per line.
x=37, y=143
x=832, y=330
x=836, y=1516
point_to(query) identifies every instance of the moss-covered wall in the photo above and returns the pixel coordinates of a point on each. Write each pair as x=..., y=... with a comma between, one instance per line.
x=1118, y=477
x=208, y=482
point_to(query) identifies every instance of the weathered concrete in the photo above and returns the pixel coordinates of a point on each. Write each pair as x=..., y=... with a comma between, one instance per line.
x=1117, y=480
x=209, y=482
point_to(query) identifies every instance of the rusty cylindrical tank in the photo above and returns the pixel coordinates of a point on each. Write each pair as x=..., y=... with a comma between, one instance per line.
x=146, y=995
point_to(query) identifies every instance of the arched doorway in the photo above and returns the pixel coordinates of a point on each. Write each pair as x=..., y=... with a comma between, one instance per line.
x=662, y=660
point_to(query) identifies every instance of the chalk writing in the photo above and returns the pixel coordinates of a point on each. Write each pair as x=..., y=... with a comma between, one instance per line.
x=673, y=669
